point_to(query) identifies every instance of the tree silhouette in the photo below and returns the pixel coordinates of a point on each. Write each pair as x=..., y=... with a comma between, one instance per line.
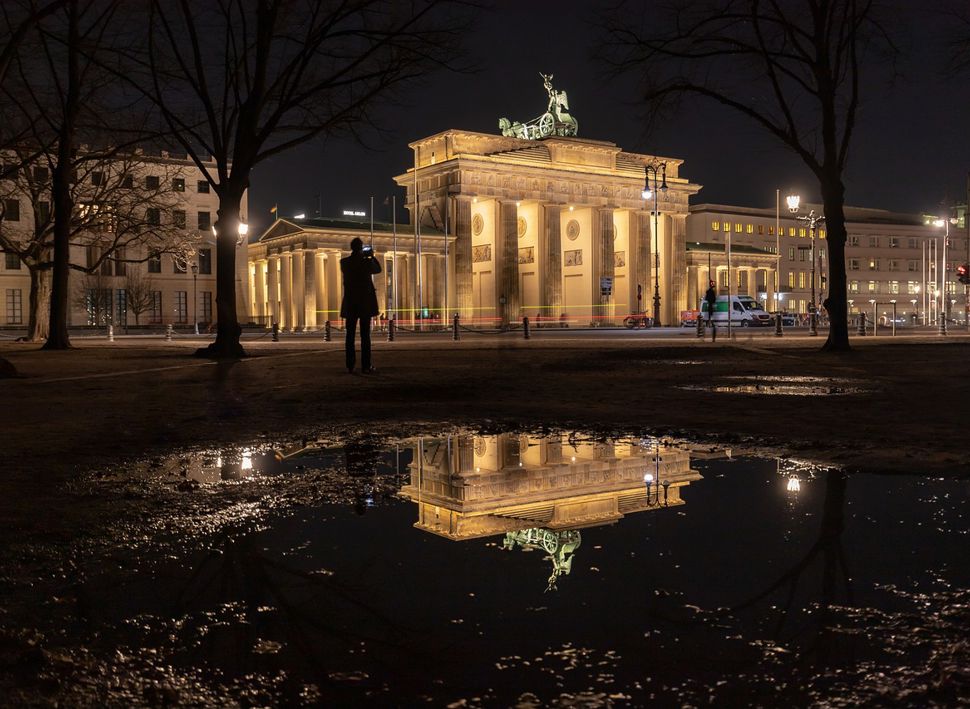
x=797, y=69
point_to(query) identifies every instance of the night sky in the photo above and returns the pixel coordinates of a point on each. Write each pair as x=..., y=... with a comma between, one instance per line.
x=911, y=149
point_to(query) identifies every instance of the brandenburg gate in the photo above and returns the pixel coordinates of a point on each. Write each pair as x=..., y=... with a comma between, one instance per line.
x=536, y=222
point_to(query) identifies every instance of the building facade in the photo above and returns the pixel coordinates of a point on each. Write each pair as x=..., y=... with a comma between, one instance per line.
x=181, y=285
x=889, y=257
x=554, y=229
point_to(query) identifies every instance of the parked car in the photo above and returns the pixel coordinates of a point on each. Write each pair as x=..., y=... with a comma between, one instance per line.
x=787, y=319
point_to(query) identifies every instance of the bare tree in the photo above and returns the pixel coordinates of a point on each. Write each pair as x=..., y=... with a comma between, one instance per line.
x=242, y=80
x=797, y=69
x=139, y=292
x=120, y=216
x=93, y=293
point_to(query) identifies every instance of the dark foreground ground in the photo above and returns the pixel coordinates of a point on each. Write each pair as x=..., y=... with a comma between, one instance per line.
x=886, y=407
x=893, y=407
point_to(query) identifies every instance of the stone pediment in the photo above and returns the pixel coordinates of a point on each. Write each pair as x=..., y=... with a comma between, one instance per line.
x=281, y=227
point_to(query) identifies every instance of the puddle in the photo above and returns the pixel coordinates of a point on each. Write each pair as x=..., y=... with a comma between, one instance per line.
x=784, y=386
x=506, y=569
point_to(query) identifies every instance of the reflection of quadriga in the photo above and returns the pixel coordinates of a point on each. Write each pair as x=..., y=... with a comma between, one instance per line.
x=538, y=491
x=560, y=546
x=555, y=121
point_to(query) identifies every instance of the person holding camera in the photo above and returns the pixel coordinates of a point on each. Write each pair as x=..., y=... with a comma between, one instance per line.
x=359, y=303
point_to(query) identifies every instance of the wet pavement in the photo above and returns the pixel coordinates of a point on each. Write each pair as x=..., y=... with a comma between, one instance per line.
x=493, y=569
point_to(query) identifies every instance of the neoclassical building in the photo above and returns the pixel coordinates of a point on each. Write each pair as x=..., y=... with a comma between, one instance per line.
x=502, y=227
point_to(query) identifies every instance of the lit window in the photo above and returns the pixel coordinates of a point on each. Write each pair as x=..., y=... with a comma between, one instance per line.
x=821, y=233
x=749, y=228
x=727, y=226
x=715, y=225
x=853, y=286
x=911, y=287
x=178, y=184
x=771, y=231
x=801, y=232
x=873, y=264
x=791, y=231
x=873, y=287
x=801, y=279
x=791, y=279
x=894, y=286
x=737, y=227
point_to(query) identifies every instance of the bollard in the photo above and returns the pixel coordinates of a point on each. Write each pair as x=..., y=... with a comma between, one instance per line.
x=111, y=334
x=700, y=327
x=168, y=332
x=454, y=328
x=562, y=320
x=525, y=328
x=538, y=319
x=778, y=329
x=862, y=325
x=943, y=324
x=813, y=323
x=326, y=331
x=276, y=332
x=391, y=327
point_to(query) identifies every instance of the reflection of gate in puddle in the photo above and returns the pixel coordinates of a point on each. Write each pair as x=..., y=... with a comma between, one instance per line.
x=530, y=487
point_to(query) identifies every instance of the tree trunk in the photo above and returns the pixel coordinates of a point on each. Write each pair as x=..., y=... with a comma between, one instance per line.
x=58, y=338
x=228, y=331
x=833, y=202
x=38, y=321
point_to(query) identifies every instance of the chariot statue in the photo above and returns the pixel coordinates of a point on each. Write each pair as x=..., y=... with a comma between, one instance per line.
x=555, y=121
x=560, y=546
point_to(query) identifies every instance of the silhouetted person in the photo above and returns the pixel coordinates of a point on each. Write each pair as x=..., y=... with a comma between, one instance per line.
x=710, y=298
x=359, y=303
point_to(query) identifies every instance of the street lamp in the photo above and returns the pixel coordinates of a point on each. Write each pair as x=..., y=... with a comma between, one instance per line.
x=793, y=201
x=195, y=297
x=662, y=187
x=946, y=238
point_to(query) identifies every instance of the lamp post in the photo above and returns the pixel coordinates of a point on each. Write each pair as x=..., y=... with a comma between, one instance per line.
x=875, y=316
x=195, y=298
x=813, y=221
x=946, y=238
x=647, y=192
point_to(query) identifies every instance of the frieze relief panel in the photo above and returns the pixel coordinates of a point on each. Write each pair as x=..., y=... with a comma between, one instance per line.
x=481, y=253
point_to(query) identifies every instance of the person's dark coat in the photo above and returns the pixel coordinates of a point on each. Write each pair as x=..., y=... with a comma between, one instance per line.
x=360, y=298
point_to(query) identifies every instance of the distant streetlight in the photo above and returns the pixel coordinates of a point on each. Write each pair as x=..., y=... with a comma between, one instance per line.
x=647, y=192
x=813, y=221
x=195, y=293
x=946, y=238
x=875, y=315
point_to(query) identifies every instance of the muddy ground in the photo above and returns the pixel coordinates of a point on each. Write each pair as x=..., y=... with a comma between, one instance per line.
x=71, y=506
x=896, y=406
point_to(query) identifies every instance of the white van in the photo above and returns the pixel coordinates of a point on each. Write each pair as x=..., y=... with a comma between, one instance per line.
x=745, y=312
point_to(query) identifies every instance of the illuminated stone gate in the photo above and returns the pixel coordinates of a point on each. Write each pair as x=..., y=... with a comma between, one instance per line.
x=555, y=227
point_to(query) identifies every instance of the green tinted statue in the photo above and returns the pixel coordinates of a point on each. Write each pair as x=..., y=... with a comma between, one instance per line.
x=555, y=121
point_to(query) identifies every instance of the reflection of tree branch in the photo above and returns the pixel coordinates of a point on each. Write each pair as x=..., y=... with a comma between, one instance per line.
x=828, y=544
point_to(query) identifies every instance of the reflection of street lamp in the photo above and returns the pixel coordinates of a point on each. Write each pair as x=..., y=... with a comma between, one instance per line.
x=794, y=484
x=195, y=296
x=813, y=221
x=647, y=192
